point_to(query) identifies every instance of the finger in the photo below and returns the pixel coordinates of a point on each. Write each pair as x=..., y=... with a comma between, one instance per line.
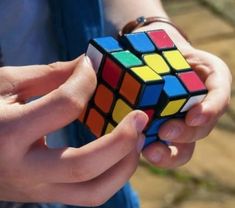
x=83, y=164
x=96, y=192
x=176, y=130
x=59, y=107
x=36, y=80
x=171, y=156
x=218, y=82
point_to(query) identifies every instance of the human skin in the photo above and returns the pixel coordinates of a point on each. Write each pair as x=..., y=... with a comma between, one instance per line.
x=29, y=170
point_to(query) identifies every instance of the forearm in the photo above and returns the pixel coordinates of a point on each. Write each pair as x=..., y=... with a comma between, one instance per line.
x=119, y=12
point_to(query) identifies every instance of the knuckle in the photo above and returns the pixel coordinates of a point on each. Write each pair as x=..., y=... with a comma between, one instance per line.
x=79, y=174
x=55, y=66
x=70, y=100
x=128, y=136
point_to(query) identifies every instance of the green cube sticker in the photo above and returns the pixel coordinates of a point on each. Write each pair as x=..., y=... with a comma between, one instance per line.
x=127, y=59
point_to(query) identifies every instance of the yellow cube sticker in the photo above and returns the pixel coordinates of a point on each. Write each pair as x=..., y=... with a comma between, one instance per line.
x=121, y=109
x=173, y=107
x=176, y=60
x=109, y=128
x=157, y=63
x=146, y=73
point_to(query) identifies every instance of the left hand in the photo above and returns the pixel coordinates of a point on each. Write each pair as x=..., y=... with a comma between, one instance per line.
x=200, y=119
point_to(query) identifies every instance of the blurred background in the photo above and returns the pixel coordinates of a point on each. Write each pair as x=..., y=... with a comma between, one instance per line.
x=208, y=180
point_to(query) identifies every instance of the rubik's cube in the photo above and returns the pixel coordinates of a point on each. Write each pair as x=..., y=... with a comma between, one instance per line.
x=143, y=71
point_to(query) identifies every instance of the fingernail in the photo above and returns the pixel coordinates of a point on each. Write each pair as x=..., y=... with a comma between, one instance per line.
x=172, y=132
x=88, y=60
x=141, y=120
x=140, y=144
x=156, y=156
x=197, y=121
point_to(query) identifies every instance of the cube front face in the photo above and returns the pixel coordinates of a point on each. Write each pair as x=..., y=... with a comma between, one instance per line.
x=144, y=71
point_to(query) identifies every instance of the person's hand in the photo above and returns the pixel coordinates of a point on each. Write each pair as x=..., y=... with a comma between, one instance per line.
x=29, y=171
x=200, y=119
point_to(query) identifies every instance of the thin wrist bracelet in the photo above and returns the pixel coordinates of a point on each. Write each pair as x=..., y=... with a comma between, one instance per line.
x=144, y=21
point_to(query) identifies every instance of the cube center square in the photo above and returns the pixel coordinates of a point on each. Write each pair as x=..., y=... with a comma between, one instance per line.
x=142, y=70
x=157, y=63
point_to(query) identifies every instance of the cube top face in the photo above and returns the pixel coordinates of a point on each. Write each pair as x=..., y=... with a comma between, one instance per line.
x=161, y=39
x=173, y=87
x=127, y=59
x=157, y=63
x=146, y=74
x=140, y=42
x=192, y=82
x=109, y=44
x=176, y=60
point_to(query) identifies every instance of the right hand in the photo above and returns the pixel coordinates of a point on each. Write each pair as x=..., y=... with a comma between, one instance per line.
x=29, y=170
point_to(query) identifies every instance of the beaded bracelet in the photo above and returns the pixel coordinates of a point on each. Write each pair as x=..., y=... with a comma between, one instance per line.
x=143, y=21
